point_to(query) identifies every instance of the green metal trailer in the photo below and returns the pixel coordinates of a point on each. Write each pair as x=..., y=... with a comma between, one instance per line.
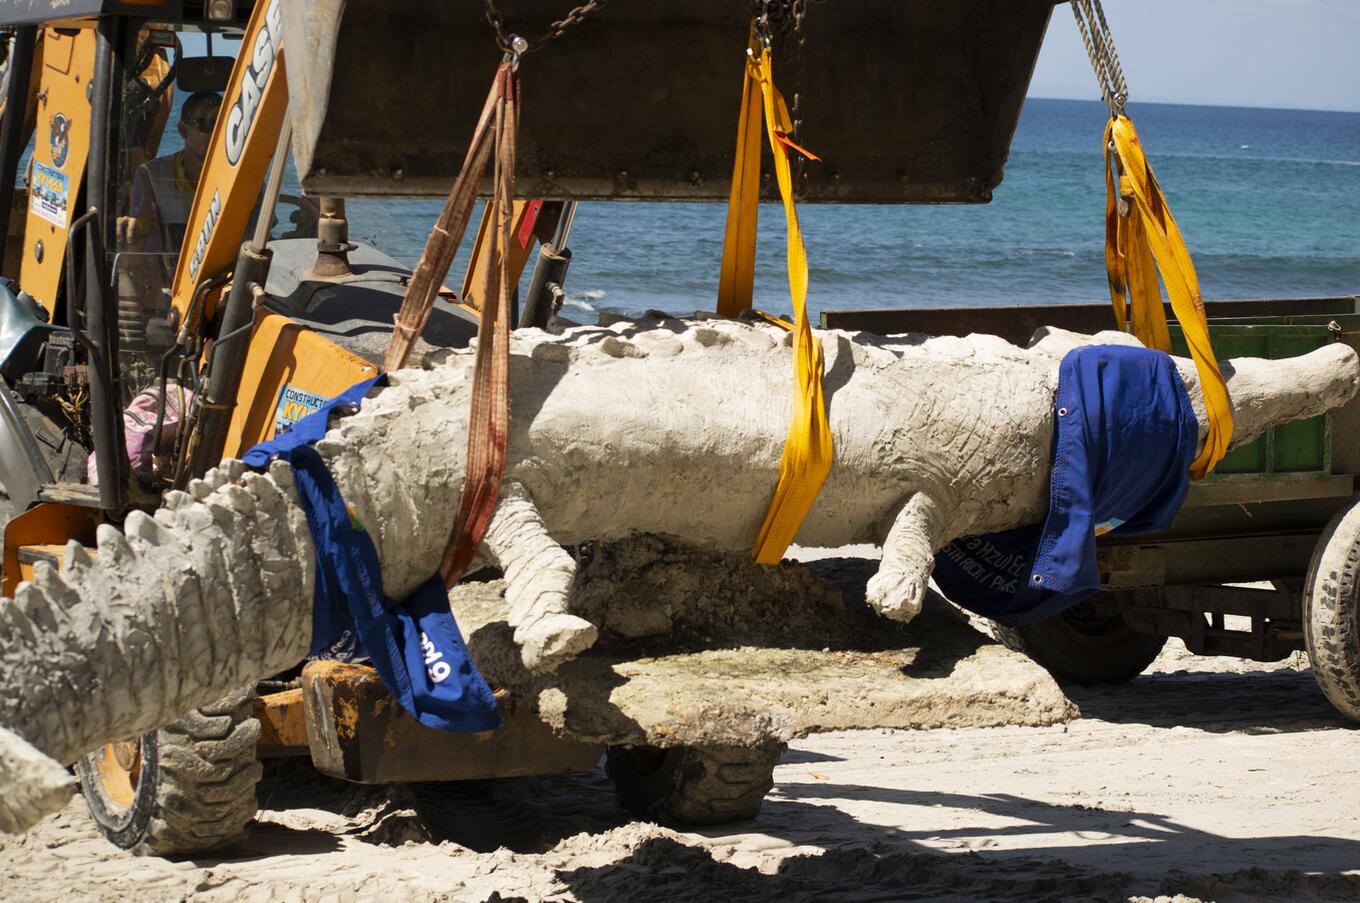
x=1271, y=539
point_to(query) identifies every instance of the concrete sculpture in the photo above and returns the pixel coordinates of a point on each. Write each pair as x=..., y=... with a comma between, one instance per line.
x=667, y=427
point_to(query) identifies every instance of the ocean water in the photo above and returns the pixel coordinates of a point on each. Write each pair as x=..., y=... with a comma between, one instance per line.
x=1269, y=202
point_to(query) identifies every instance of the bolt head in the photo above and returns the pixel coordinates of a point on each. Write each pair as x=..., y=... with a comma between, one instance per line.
x=221, y=10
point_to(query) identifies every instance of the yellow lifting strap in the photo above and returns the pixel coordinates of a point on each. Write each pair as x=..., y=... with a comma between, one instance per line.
x=1140, y=240
x=807, y=450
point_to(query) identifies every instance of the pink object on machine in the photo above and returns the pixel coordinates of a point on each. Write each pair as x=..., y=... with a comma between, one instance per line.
x=139, y=421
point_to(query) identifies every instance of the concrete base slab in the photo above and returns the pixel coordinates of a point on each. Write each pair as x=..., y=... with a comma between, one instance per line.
x=816, y=659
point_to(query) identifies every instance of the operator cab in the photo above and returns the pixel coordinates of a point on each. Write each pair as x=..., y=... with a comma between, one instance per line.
x=171, y=100
x=168, y=87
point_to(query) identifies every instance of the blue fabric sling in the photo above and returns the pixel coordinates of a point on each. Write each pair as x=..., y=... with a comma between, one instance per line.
x=1125, y=438
x=415, y=646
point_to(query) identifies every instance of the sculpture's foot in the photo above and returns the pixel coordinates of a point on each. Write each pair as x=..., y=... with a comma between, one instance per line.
x=897, y=595
x=553, y=640
x=35, y=785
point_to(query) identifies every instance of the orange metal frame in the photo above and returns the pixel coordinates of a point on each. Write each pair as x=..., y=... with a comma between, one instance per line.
x=42, y=525
x=241, y=147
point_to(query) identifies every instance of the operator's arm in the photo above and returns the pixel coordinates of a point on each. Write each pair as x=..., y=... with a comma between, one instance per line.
x=141, y=218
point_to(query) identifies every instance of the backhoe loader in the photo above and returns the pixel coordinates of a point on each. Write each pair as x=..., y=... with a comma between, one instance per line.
x=166, y=304
x=127, y=367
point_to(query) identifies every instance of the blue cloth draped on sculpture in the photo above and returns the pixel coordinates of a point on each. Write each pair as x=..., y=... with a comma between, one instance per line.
x=1125, y=435
x=414, y=645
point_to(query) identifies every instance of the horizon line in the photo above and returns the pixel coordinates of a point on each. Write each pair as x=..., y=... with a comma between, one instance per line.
x=1188, y=103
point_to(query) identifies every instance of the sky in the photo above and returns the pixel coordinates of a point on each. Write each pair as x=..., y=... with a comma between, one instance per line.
x=1250, y=53
x=1301, y=54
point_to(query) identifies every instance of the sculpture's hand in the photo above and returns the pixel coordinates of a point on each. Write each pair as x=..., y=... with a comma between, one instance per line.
x=899, y=588
x=896, y=594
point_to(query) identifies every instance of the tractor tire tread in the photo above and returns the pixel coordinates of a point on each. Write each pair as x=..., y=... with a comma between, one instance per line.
x=1112, y=659
x=1331, y=612
x=205, y=772
x=698, y=785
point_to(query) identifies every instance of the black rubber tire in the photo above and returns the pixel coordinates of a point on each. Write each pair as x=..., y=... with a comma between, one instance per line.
x=196, y=790
x=1331, y=612
x=1090, y=643
x=690, y=785
x=67, y=459
x=64, y=457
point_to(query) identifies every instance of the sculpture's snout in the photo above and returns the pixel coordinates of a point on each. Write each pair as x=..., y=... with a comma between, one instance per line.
x=1268, y=392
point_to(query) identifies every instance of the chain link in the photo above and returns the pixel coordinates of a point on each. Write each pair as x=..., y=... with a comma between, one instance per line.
x=796, y=113
x=1095, y=35
x=783, y=24
x=506, y=42
x=778, y=24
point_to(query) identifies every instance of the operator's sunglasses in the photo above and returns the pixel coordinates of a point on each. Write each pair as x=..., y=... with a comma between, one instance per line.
x=202, y=123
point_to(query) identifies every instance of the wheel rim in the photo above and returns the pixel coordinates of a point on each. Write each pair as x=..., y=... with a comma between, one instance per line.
x=1094, y=623
x=119, y=766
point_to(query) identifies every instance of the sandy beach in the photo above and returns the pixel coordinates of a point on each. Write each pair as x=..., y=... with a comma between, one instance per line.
x=1208, y=779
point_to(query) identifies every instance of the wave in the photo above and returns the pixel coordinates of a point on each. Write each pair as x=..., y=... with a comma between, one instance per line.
x=1083, y=153
x=1302, y=161
x=582, y=300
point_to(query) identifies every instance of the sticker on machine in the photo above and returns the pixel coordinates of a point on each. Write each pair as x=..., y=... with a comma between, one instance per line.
x=294, y=404
x=59, y=137
x=49, y=193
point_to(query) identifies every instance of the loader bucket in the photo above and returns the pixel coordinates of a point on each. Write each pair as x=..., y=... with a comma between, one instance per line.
x=905, y=102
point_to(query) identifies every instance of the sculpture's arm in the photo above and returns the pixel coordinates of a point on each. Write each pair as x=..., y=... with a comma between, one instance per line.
x=538, y=579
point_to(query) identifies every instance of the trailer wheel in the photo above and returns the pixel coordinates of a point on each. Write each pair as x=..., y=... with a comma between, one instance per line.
x=1331, y=612
x=184, y=789
x=693, y=785
x=1090, y=643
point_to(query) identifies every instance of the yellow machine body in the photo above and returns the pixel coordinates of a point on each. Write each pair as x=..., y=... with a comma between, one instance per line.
x=288, y=368
x=41, y=534
x=289, y=371
x=242, y=144
x=57, y=170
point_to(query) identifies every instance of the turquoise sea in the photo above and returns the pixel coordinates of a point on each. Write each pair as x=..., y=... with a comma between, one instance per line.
x=1269, y=202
